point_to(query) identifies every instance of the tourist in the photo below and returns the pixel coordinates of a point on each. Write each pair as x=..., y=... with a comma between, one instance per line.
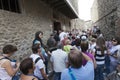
x=39, y=71
x=84, y=48
x=68, y=46
x=7, y=68
x=58, y=59
x=100, y=52
x=76, y=71
x=27, y=68
x=51, y=43
x=38, y=38
x=113, y=53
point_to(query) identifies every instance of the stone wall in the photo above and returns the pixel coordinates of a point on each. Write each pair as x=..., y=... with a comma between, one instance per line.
x=108, y=15
x=65, y=21
x=94, y=11
x=42, y=11
x=19, y=29
x=78, y=24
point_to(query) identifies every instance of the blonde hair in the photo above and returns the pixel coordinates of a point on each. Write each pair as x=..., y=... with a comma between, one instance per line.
x=67, y=41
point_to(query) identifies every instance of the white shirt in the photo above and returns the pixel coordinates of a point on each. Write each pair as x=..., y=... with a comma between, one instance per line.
x=61, y=36
x=114, y=48
x=112, y=51
x=39, y=65
x=92, y=47
x=58, y=58
x=3, y=73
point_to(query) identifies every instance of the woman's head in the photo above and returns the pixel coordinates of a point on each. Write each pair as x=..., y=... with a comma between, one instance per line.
x=27, y=66
x=116, y=40
x=9, y=49
x=84, y=46
x=101, y=44
x=77, y=42
x=36, y=48
x=75, y=58
x=38, y=35
x=100, y=41
x=67, y=42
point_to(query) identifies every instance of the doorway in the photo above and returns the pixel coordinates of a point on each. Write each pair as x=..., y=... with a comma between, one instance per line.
x=56, y=26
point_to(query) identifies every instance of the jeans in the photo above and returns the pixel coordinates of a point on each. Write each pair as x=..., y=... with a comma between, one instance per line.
x=113, y=65
x=99, y=72
x=107, y=64
x=57, y=75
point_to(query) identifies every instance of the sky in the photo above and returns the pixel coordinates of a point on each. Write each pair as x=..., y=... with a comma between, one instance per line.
x=85, y=9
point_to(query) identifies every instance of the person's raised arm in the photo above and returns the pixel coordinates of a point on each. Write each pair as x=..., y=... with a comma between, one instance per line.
x=86, y=57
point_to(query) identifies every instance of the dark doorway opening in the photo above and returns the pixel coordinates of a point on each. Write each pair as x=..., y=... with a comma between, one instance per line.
x=56, y=26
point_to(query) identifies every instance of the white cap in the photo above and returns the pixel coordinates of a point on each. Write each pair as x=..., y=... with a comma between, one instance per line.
x=83, y=37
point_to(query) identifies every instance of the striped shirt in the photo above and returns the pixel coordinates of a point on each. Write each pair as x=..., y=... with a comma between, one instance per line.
x=100, y=58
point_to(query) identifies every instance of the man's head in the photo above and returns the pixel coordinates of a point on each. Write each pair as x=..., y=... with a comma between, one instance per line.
x=27, y=66
x=35, y=48
x=9, y=49
x=75, y=58
x=59, y=45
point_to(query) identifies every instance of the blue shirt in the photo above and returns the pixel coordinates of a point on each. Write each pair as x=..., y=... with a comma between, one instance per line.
x=83, y=73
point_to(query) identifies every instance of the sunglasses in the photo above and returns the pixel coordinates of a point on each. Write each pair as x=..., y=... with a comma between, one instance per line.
x=114, y=40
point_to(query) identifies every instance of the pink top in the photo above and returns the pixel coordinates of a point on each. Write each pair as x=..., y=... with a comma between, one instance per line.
x=90, y=55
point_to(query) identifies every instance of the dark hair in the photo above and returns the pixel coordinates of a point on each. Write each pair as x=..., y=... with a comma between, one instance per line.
x=35, y=48
x=98, y=31
x=77, y=42
x=9, y=49
x=84, y=46
x=73, y=37
x=25, y=65
x=37, y=37
x=75, y=58
x=94, y=36
x=117, y=39
x=37, y=34
x=52, y=34
x=93, y=40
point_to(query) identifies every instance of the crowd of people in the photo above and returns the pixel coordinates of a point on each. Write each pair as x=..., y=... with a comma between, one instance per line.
x=73, y=55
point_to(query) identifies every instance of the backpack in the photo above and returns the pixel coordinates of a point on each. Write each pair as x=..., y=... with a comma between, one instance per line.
x=37, y=60
x=16, y=76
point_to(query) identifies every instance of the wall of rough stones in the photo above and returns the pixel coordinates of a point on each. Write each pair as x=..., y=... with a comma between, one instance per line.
x=19, y=29
x=108, y=15
x=78, y=24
